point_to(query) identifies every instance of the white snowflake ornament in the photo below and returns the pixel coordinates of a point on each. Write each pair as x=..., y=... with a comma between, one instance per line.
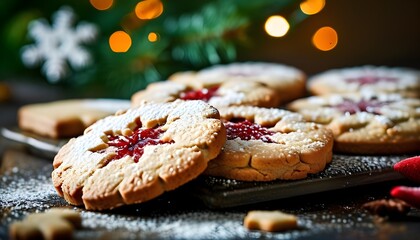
x=59, y=45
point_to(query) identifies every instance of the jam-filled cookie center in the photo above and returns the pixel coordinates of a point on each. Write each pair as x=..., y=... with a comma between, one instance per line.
x=204, y=94
x=351, y=107
x=246, y=130
x=133, y=145
x=369, y=80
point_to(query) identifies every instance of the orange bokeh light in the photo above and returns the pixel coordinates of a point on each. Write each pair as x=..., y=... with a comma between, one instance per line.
x=311, y=7
x=325, y=39
x=149, y=9
x=102, y=4
x=120, y=41
x=153, y=37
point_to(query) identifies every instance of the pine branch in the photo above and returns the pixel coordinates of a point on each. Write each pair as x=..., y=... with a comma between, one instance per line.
x=192, y=35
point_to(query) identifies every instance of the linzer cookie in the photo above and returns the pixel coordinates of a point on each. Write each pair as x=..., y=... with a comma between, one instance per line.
x=288, y=82
x=366, y=123
x=230, y=93
x=66, y=118
x=265, y=144
x=367, y=78
x=139, y=154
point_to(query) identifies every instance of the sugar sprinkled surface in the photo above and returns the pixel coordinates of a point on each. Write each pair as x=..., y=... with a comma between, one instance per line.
x=26, y=187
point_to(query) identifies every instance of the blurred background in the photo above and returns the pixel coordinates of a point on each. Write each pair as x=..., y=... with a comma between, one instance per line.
x=113, y=48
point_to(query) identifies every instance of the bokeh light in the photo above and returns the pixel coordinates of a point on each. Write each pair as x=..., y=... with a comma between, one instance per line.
x=149, y=9
x=325, y=39
x=102, y=4
x=153, y=37
x=311, y=7
x=276, y=26
x=120, y=41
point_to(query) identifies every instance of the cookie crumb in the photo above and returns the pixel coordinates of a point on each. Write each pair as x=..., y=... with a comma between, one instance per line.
x=270, y=221
x=387, y=208
x=57, y=223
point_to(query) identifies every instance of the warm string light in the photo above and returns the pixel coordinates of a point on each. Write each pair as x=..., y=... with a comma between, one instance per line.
x=120, y=42
x=276, y=26
x=325, y=39
x=149, y=9
x=102, y=4
x=311, y=7
x=153, y=37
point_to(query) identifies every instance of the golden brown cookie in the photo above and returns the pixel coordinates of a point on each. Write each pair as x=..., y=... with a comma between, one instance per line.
x=367, y=78
x=266, y=144
x=137, y=155
x=270, y=221
x=66, y=118
x=366, y=123
x=56, y=223
x=288, y=82
x=230, y=93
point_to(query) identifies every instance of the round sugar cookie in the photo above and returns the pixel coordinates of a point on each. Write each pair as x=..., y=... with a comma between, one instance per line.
x=265, y=144
x=229, y=93
x=366, y=123
x=288, y=82
x=403, y=81
x=139, y=154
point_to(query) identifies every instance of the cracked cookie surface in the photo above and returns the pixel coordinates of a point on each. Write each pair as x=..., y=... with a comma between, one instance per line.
x=288, y=82
x=229, y=93
x=366, y=123
x=403, y=81
x=265, y=144
x=138, y=154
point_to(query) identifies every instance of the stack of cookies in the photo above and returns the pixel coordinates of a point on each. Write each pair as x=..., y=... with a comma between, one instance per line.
x=244, y=121
x=223, y=121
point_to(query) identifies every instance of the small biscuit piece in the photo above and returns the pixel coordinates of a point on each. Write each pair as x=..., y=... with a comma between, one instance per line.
x=270, y=221
x=403, y=81
x=139, y=154
x=366, y=123
x=229, y=93
x=288, y=82
x=265, y=144
x=66, y=118
x=55, y=223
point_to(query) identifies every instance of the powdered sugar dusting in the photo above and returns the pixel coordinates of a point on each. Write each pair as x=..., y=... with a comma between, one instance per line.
x=186, y=225
x=26, y=187
x=110, y=105
x=252, y=71
x=351, y=79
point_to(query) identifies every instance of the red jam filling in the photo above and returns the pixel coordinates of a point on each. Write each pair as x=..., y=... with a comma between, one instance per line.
x=352, y=107
x=246, y=130
x=367, y=80
x=134, y=144
x=204, y=94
